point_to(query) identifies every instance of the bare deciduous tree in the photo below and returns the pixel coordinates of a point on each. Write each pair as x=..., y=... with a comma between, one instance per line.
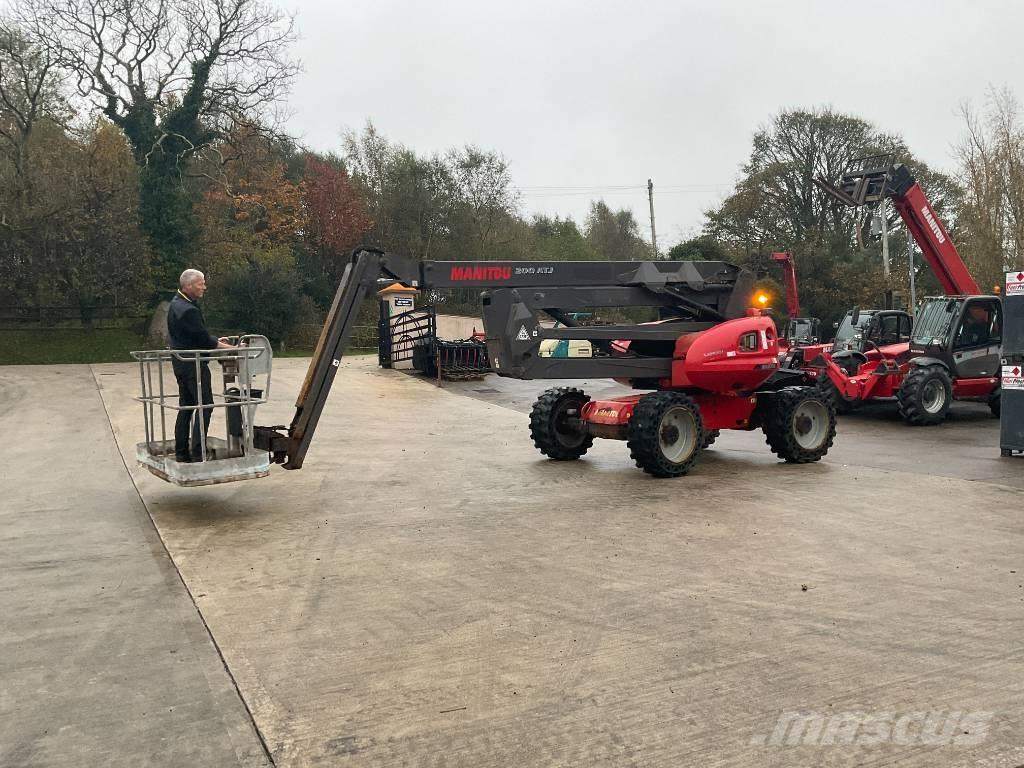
x=991, y=156
x=159, y=68
x=174, y=76
x=484, y=185
x=30, y=92
x=776, y=203
x=614, y=235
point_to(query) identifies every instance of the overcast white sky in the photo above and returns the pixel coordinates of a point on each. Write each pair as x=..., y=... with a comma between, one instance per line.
x=605, y=94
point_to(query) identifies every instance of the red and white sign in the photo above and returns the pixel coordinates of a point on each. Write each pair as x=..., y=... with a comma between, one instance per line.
x=1015, y=283
x=1013, y=377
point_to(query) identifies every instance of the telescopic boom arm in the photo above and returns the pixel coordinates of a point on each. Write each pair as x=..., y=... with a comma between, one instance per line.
x=694, y=295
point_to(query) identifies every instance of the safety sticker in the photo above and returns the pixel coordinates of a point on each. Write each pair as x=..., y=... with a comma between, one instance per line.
x=1014, y=283
x=1013, y=377
x=523, y=335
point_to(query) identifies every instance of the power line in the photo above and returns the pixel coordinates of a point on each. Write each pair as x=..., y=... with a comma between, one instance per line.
x=547, y=192
x=587, y=186
x=595, y=187
x=543, y=196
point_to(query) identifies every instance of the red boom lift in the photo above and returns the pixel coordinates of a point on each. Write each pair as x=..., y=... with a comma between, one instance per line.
x=953, y=352
x=712, y=364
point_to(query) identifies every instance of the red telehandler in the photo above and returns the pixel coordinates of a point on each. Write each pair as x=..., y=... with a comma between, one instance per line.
x=863, y=335
x=953, y=351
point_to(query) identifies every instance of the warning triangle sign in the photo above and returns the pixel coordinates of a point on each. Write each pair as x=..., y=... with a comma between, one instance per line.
x=523, y=335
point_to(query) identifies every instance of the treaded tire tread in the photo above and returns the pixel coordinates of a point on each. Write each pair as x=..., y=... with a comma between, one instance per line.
x=708, y=438
x=908, y=396
x=542, y=428
x=994, y=402
x=777, y=422
x=836, y=400
x=642, y=434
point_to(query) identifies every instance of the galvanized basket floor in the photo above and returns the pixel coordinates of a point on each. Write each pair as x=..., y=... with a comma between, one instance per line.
x=158, y=458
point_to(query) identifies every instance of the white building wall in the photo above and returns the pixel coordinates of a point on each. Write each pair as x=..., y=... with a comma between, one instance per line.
x=456, y=327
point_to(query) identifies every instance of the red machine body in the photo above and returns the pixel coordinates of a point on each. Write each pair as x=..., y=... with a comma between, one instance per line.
x=735, y=356
x=883, y=378
x=719, y=368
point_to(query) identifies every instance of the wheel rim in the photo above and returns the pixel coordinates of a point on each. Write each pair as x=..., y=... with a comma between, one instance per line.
x=810, y=424
x=568, y=435
x=677, y=435
x=933, y=396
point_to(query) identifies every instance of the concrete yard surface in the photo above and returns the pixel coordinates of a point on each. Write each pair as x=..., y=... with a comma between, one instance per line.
x=430, y=591
x=104, y=659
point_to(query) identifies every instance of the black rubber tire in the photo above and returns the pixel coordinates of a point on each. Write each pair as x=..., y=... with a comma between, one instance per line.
x=995, y=402
x=647, y=429
x=549, y=430
x=799, y=424
x=839, y=403
x=708, y=438
x=913, y=398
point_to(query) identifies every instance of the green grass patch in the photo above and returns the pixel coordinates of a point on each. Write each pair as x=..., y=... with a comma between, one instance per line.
x=100, y=345
x=69, y=345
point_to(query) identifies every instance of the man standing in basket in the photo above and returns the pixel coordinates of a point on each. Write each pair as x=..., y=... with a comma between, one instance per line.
x=187, y=330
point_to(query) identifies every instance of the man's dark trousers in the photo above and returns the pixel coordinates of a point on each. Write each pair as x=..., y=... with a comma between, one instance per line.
x=187, y=420
x=187, y=330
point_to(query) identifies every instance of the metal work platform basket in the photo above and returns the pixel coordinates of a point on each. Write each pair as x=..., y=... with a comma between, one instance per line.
x=246, y=384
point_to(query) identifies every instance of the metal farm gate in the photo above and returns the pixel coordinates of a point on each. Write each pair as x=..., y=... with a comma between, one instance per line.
x=411, y=337
x=401, y=334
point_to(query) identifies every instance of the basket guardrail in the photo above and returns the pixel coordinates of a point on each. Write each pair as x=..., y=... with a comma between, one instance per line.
x=246, y=370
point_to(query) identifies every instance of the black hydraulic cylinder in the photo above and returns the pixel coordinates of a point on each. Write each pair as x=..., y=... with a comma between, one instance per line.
x=234, y=414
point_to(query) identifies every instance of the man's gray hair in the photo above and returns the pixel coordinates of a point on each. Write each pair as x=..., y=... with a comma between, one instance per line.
x=188, y=277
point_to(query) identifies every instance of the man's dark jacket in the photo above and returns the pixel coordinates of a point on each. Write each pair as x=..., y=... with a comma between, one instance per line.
x=187, y=330
x=186, y=327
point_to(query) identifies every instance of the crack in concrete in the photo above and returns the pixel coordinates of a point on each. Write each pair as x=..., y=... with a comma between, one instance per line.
x=188, y=591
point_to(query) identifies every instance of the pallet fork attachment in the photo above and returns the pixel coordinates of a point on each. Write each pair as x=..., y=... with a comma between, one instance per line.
x=868, y=180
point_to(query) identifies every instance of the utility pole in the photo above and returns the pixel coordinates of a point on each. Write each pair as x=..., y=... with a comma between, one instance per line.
x=650, y=199
x=885, y=240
